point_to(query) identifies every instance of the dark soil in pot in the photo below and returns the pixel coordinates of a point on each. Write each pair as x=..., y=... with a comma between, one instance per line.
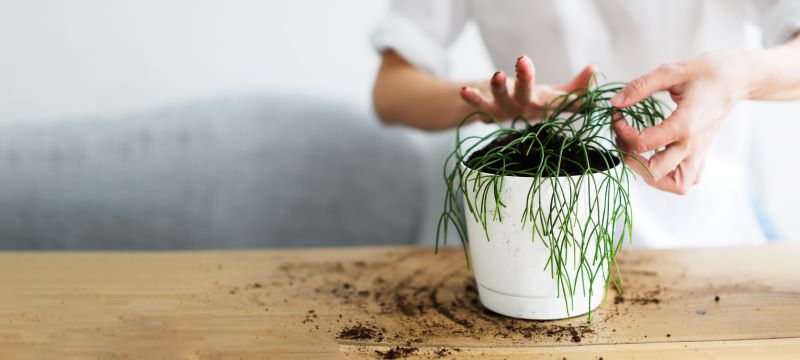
x=527, y=156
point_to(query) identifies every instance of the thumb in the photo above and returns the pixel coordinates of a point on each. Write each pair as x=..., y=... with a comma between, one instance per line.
x=640, y=88
x=581, y=80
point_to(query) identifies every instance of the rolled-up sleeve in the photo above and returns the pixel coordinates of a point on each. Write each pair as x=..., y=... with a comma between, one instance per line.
x=421, y=31
x=779, y=20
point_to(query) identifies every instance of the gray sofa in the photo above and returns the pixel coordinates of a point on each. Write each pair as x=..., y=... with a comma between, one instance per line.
x=235, y=172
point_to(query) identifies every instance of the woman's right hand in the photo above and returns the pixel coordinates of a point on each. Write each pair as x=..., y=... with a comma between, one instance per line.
x=506, y=98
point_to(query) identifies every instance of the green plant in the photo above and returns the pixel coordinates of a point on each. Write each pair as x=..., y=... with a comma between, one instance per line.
x=572, y=142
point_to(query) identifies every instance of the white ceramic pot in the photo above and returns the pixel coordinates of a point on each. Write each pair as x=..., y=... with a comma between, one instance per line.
x=511, y=265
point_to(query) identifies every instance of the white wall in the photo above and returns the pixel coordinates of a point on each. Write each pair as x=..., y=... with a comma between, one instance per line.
x=61, y=59
x=93, y=56
x=81, y=57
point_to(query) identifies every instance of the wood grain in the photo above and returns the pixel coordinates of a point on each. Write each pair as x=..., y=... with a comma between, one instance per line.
x=300, y=303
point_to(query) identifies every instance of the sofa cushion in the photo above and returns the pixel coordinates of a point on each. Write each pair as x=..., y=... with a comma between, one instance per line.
x=233, y=172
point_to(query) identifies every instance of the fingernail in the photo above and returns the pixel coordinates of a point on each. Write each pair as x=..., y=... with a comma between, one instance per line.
x=496, y=81
x=618, y=99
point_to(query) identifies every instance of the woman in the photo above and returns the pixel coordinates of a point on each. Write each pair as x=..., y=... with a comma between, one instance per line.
x=706, y=137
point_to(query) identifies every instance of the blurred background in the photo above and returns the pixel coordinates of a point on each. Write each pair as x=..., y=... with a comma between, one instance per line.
x=201, y=124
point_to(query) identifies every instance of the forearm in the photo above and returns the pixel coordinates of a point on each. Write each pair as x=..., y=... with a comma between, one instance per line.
x=776, y=72
x=405, y=95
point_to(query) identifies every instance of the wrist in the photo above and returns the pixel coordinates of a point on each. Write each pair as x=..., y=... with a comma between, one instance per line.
x=755, y=64
x=743, y=72
x=772, y=73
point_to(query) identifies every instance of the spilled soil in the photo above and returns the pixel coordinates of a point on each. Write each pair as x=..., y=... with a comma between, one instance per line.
x=399, y=304
x=415, y=308
x=361, y=332
x=408, y=302
x=436, y=311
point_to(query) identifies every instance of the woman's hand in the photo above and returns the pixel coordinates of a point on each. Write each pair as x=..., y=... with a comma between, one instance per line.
x=405, y=95
x=705, y=89
x=506, y=98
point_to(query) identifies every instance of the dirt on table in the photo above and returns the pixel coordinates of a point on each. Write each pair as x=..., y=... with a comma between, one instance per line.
x=434, y=311
x=397, y=352
x=361, y=332
x=422, y=311
x=423, y=306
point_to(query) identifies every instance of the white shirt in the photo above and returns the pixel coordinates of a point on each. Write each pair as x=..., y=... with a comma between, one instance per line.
x=625, y=39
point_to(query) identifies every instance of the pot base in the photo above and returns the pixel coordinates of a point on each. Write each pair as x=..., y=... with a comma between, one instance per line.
x=538, y=308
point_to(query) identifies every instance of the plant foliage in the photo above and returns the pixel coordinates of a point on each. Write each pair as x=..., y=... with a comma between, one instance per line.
x=572, y=151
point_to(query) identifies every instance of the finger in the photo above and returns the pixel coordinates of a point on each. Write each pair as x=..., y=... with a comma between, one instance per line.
x=582, y=81
x=636, y=162
x=636, y=90
x=676, y=181
x=664, y=162
x=475, y=98
x=700, y=170
x=500, y=91
x=526, y=76
x=671, y=130
x=679, y=180
x=626, y=134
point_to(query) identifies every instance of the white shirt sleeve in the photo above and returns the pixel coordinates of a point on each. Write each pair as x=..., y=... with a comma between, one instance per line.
x=421, y=31
x=779, y=20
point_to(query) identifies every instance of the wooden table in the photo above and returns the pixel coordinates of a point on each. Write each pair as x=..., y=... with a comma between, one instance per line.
x=375, y=302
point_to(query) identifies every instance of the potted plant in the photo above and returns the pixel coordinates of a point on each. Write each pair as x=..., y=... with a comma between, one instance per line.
x=542, y=208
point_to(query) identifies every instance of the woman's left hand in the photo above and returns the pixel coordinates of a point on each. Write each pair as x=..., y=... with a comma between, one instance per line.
x=705, y=90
